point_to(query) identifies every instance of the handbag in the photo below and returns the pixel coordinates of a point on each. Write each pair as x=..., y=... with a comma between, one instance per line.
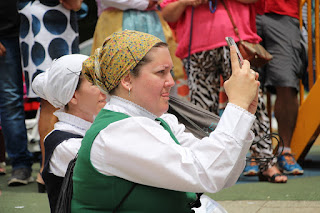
x=198, y=121
x=201, y=123
x=256, y=54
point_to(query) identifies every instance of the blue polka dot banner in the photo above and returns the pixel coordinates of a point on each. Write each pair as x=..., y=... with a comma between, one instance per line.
x=47, y=32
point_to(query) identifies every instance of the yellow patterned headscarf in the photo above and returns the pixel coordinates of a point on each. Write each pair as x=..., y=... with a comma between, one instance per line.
x=119, y=54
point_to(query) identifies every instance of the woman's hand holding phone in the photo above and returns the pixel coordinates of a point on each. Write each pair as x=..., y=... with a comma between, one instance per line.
x=231, y=42
x=242, y=87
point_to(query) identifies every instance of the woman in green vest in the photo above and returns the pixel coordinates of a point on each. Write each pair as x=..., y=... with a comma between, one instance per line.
x=137, y=158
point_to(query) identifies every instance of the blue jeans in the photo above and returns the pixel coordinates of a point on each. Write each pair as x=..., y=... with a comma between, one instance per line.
x=11, y=105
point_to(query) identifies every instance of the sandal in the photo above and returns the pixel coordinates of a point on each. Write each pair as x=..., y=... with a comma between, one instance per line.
x=271, y=179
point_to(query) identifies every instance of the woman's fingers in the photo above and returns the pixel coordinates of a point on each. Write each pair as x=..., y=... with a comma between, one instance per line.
x=254, y=74
x=235, y=63
x=243, y=84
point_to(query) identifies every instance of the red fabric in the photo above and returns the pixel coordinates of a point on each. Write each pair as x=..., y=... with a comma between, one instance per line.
x=182, y=87
x=282, y=7
x=209, y=30
x=28, y=105
x=31, y=106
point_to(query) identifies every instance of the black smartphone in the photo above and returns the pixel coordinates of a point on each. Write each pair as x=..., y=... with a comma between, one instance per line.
x=231, y=42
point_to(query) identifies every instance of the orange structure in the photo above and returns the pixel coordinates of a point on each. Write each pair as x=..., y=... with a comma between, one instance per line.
x=308, y=122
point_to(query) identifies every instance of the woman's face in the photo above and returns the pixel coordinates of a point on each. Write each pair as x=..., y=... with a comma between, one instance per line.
x=151, y=88
x=89, y=100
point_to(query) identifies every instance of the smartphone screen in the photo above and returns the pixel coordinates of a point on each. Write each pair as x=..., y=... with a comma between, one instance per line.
x=231, y=42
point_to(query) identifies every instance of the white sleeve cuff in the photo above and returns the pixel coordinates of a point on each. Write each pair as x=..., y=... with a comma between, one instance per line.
x=125, y=4
x=236, y=122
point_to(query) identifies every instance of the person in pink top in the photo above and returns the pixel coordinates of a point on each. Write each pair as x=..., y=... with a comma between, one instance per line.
x=201, y=27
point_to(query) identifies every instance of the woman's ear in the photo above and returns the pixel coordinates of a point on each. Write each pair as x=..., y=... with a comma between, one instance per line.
x=74, y=99
x=126, y=82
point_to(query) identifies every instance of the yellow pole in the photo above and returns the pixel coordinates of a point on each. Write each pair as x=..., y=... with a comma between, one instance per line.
x=300, y=11
x=301, y=24
x=317, y=44
x=310, y=61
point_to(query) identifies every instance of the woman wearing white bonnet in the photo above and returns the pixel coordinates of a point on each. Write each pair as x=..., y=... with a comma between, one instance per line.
x=63, y=86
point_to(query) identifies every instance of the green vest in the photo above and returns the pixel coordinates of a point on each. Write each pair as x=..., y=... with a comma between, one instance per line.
x=96, y=192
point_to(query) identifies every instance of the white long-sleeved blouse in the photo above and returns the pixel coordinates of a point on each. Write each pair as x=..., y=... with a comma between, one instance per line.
x=68, y=149
x=125, y=4
x=140, y=150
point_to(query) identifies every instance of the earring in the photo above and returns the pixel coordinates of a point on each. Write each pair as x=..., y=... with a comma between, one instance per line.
x=129, y=91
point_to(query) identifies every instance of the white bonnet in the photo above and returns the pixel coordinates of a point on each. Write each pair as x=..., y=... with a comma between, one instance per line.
x=58, y=83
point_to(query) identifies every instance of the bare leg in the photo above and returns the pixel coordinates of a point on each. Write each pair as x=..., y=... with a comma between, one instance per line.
x=45, y=125
x=286, y=111
x=263, y=148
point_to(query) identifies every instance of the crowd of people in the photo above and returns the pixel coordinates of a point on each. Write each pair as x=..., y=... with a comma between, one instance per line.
x=110, y=107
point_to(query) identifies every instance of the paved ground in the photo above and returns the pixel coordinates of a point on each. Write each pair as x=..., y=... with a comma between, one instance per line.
x=300, y=195
x=262, y=206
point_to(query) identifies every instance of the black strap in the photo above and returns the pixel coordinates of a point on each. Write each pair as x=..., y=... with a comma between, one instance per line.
x=231, y=19
x=125, y=197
